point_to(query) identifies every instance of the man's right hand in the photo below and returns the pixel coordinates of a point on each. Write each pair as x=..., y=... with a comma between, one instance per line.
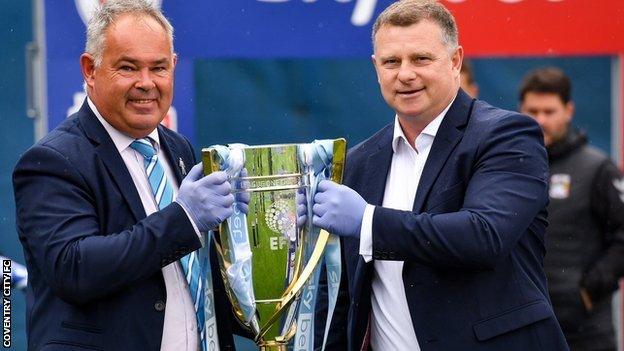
x=338, y=209
x=208, y=200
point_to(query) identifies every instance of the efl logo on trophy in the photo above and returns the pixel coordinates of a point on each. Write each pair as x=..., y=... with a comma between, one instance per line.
x=269, y=262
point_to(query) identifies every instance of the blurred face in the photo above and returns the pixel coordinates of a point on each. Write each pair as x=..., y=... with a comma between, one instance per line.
x=133, y=86
x=471, y=88
x=552, y=114
x=418, y=74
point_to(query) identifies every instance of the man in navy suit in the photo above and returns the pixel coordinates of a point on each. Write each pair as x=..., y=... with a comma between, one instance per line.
x=103, y=240
x=442, y=214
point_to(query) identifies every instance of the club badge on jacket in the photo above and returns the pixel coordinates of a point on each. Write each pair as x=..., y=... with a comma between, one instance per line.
x=560, y=186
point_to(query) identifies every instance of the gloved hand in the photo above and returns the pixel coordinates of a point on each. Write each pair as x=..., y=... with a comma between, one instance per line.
x=208, y=200
x=302, y=208
x=242, y=197
x=338, y=209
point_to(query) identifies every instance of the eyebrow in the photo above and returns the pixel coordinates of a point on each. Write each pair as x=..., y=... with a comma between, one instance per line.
x=385, y=57
x=415, y=54
x=423, y=53
x=134, y=61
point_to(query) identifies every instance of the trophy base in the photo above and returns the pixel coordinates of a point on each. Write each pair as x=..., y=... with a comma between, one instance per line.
x=273, y=346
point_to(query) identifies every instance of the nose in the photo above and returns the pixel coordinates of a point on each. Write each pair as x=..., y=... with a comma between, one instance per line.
x=406, y=73
x=540, y=118
x=145, y=81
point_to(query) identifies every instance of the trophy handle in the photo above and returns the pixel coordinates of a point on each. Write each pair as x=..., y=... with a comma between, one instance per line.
x=296, y=288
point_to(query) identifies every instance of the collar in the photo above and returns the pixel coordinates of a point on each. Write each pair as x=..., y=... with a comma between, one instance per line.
x=121, y=140
x=572, y=140
x=430, y=130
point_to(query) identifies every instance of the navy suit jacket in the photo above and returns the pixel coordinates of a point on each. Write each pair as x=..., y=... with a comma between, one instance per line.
x=94, y=259
x=473, y=245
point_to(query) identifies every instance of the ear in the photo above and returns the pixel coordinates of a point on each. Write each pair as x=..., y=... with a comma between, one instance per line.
x=175, y=60
x=569, y=109
x=456, y=59
x=375, y=64
x=87, y=67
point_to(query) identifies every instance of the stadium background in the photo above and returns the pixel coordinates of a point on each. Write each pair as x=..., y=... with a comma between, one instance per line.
x=269, y=71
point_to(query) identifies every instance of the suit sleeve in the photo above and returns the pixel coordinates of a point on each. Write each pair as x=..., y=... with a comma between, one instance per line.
x=608, y=207
x=504, y=194
x=59, y=224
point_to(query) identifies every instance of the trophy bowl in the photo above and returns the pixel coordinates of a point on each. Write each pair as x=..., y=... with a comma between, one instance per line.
x=266, y=259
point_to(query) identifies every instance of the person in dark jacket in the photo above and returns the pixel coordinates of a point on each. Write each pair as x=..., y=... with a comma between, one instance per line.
x=585, y=238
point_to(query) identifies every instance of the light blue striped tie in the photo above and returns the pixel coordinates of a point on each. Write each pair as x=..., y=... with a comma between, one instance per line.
x=161, y=188
x=163, y=193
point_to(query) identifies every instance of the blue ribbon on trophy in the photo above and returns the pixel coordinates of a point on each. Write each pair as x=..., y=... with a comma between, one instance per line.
x=317, y=157
x=239, y=273
x=208, y=337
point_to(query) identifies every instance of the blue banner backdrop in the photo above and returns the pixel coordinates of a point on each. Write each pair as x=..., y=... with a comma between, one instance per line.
x=215, y=29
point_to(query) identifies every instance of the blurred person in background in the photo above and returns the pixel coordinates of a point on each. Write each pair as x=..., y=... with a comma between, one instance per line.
x=110, y=221
x=467, y=79
x=585, y=238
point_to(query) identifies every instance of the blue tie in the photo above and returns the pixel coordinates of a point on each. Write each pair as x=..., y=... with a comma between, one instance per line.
x=163, y=193
x=161, y=188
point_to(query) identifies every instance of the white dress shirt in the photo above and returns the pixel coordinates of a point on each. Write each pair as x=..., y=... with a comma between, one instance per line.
x=391, y=323
x=180, y=327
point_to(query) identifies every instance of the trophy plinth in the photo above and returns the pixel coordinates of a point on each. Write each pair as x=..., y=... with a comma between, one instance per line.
x=274, y=346
x=266, y=260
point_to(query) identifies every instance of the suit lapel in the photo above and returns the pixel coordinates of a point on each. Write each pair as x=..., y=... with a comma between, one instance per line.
x=377, y=168
x=372, y=188
x=106, y=150
x=449, y=134
x=177, y=164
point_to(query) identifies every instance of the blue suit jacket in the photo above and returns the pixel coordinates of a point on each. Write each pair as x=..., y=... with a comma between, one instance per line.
x=94, y=259
x=473, y=245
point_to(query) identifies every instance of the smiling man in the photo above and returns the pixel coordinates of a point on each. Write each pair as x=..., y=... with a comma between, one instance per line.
x=443, y=211
x=110, y=221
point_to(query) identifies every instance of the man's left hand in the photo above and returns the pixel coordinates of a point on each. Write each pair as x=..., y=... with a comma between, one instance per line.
x=338, y=209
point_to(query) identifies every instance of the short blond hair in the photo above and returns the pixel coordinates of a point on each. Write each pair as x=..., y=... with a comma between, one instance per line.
x=404, y=13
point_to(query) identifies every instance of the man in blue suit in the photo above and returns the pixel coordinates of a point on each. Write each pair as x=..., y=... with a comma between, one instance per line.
x=442, y=214
x=106, y=211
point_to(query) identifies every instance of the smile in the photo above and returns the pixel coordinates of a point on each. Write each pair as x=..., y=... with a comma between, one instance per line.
x=145, y=101
x=410, y=92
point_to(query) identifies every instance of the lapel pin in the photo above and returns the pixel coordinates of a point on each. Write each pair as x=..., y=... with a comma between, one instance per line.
x=182, y=167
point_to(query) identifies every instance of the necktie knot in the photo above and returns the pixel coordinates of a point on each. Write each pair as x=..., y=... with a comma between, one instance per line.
x=144, y=147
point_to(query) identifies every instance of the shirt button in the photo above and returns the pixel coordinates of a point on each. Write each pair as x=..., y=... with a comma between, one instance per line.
x=159, y=305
